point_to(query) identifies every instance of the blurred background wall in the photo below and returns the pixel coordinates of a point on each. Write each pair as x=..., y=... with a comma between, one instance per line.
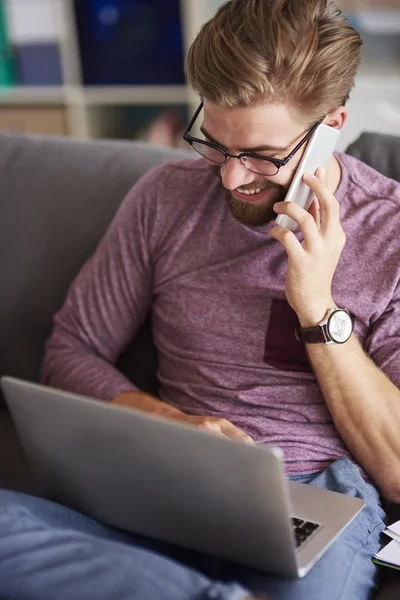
x=114, y=68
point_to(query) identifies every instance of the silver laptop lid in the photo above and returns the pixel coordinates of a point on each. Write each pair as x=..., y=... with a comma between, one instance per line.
x=157, y=477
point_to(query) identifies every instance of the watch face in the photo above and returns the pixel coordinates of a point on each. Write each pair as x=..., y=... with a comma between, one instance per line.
x=340, y=326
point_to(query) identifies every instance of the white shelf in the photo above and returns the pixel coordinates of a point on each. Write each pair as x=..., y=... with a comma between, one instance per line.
x=40, y=95
x=135, y=95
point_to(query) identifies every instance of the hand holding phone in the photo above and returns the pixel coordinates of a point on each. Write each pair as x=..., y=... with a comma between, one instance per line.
x=318, y=154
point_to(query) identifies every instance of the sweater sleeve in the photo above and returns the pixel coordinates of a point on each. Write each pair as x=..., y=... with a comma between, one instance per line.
x=106, y=305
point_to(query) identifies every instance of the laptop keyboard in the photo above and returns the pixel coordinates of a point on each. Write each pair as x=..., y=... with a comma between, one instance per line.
x=303, y=530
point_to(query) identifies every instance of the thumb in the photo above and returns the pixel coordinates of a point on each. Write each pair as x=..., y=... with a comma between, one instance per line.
x=237, y=434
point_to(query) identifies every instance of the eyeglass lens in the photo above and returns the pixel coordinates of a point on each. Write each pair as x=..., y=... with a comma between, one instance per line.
x=257, y=165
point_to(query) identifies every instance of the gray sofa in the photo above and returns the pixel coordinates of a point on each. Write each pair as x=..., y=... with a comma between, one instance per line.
x=57, y=198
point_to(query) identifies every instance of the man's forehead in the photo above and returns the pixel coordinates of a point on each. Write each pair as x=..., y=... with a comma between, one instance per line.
x=250, y=126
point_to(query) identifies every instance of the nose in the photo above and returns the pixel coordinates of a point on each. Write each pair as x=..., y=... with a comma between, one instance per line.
x=234, y=174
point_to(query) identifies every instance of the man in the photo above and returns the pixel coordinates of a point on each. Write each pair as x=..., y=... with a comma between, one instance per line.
x=227, y=287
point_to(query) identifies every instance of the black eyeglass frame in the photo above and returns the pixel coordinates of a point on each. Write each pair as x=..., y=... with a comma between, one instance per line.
x=278, y=162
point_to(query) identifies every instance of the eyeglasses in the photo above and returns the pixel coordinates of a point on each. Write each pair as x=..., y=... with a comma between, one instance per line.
x=262, y=165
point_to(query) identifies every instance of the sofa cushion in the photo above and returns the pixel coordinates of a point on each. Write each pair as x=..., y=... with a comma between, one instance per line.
x=380, y=151
x=57, y=198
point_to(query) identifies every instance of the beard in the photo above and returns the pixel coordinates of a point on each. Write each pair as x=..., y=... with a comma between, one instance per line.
x=254, y=214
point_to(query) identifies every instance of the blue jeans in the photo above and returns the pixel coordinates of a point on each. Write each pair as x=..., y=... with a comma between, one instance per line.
x=49, y=552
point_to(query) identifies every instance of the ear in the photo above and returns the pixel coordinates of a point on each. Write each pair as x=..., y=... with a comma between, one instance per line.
x=336, y=118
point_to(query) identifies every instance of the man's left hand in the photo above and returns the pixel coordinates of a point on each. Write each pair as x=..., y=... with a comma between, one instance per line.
x=313, y=261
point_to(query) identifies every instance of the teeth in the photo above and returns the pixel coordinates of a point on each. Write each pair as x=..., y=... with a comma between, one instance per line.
x=249, y=192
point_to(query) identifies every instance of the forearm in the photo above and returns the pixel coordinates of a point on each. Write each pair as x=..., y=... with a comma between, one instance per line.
x=142, y=401
x=365, y=407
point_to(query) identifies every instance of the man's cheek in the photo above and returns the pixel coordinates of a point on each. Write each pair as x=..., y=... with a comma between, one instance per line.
x=217, y=170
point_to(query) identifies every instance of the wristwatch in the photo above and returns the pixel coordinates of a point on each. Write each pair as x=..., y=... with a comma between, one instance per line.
x=336, y=328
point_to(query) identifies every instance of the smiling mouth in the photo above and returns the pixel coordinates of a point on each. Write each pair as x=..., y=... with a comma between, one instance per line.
x=249, y=192
x=254, y=195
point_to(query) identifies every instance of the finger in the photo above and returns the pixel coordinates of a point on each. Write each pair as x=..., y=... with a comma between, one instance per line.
x=315, y=212
x=288, y=240
x=329, y=206
x=234, y=432
x=304, y=219
x=212, y=427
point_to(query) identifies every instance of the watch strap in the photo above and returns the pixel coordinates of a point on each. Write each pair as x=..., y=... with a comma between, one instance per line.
x=311, y=335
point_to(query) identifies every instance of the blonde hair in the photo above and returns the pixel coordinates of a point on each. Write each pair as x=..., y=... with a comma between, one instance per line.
x=300, y=52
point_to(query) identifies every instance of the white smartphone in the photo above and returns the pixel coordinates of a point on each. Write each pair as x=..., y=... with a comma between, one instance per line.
x=318, y=154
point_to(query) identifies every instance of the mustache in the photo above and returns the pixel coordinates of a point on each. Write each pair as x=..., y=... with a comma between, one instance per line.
x=264, y=184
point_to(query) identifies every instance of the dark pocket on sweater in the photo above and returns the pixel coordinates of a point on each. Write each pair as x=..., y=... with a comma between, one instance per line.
x=282, y=349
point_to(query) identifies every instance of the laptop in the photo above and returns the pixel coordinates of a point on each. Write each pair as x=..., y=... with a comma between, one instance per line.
x=173, y=482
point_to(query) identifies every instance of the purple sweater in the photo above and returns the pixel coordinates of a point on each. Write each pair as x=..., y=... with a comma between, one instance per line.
x=221, y=324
